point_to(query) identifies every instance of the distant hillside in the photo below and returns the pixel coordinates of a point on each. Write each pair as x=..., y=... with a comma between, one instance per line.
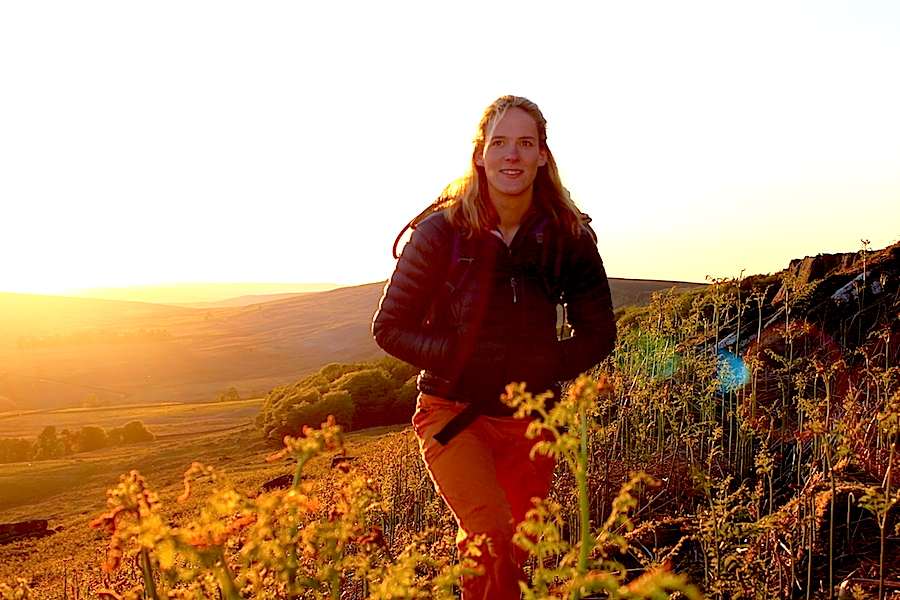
x=239, y=300
x=55, y=351
x=190, y=293
x=637, y=292
x=249, y=348
x=34, y=314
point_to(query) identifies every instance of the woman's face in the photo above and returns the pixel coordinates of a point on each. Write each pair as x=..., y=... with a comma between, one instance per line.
x=511, y=156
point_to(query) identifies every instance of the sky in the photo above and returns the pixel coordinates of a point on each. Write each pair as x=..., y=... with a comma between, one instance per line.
x=221, y=141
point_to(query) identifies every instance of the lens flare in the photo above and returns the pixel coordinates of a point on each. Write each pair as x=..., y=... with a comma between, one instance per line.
x=731, y=371
x=651, y=355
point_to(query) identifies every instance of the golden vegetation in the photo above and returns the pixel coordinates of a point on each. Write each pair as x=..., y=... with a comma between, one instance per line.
x=763, y=470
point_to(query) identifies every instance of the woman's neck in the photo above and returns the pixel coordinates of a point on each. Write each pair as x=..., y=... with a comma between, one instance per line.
x=512, y=212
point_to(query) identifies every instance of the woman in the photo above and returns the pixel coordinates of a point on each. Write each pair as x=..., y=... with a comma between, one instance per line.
x=473, y=303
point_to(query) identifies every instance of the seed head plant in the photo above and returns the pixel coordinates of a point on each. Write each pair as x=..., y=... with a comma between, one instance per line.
x=306, y=542
x=573, y=568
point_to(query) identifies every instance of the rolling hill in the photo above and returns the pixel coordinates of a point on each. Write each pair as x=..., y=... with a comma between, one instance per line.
x=192, y=294
x=55, y=351
x=251, y=348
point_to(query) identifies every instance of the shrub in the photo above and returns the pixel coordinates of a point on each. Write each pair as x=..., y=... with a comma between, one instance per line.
x=14, y=450
x=324, y=538
x=48, y=445
x=133, y=432
x=359, y=395
x=316, y=540
x=228, y=395
x=91, y=437
x=337, y=403
x=372, y=394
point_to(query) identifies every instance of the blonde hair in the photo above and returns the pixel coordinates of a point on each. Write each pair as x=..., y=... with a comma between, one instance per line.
x=466, y=198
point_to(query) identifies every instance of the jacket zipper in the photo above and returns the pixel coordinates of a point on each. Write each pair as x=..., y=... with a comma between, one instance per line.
x=512, y=280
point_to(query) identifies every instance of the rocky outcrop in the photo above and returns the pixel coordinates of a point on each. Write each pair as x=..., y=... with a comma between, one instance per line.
x=834, y=291
x=836, y=312
x=13, y=532
x=803, y=271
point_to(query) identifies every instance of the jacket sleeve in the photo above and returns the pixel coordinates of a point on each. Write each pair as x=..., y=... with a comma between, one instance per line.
x=589, y=309
x=417, y=279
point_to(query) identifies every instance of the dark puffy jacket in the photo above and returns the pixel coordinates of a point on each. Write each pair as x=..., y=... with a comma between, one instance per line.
x=500, y=326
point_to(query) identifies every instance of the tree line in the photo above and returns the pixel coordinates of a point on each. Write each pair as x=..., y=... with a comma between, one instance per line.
x=52, y=444
x=359, y=395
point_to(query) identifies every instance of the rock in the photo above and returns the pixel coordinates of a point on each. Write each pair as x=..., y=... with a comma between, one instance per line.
x=337, y=461
x=11, y=532
x=280, y=482
x=811, y=268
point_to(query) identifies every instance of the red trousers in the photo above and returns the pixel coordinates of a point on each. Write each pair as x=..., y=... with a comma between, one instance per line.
x=486, y=477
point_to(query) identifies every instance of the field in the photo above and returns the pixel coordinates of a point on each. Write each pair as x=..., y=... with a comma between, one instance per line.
x=69, y=492
x=53, y=489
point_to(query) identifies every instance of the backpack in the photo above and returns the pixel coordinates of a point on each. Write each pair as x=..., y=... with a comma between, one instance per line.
x=462, y=255
x=461, y=258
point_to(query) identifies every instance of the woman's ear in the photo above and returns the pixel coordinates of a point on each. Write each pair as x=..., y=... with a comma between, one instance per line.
x=542, y=160
x=478, y=157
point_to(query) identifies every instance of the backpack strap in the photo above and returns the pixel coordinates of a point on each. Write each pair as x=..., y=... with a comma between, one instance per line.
x=587, y=225
x=459, y=267
x=460, y=262
x=435, y=206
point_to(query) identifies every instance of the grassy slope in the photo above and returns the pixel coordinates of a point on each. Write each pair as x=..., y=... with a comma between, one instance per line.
x=201, y=293
x=252, y=348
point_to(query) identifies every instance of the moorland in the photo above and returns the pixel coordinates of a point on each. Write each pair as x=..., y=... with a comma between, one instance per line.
x=56, y=350
x=764, y=411
x=71, y=362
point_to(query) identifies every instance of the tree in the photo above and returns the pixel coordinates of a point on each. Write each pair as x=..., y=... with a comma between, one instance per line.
x=405, y=399
x=91, y=437
x=69, y=440
x=132, y=432
x=372, y=394
x=228, y=395
x=48, y=445
x=339, y=404
x=14, y=450
x=400, y=371
x=359, y=395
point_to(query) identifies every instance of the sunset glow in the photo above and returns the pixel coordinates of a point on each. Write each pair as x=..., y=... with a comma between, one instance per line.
x=288, y=142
